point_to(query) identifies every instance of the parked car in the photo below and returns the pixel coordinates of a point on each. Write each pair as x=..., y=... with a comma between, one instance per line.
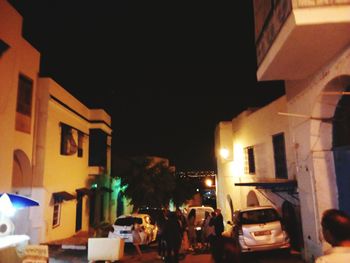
x=123, y=228
x=153, y=212
x=259, y=228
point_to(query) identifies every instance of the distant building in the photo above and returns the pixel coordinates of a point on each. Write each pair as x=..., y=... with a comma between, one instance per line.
x=206, y=181
x=54, y=149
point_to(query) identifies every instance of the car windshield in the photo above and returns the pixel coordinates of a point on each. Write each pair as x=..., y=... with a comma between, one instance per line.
x=259, y=216
x=128, y=221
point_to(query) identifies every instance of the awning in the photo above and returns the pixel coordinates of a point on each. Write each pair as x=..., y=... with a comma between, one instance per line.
x=59, y=197
x=83, y=191
x=275, y=185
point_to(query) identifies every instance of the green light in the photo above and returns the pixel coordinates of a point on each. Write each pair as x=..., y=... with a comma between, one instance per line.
x=94, y=186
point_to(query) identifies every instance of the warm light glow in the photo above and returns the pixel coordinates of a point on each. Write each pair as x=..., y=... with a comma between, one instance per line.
x=6, y=207
x=237, y=168
x=224, y=153
x=208, y=182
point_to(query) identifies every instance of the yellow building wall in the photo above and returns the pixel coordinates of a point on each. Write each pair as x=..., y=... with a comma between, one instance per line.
x=64, y=172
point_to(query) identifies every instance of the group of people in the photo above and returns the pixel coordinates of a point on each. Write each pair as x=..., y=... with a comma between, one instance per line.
x=175, y=230
x=178, y=233
x=171, y=229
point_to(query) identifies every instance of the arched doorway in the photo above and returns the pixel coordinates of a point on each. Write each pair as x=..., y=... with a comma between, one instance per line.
x=341, y=149
x=21, y=184
x=21, y=172
x=292, y=224
x=252, y=199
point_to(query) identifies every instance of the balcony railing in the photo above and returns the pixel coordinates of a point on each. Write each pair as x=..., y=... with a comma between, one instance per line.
x=270, y=16
x=315, y=3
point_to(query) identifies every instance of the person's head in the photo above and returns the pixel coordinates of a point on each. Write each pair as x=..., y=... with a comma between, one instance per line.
x=218, y=211
x=178, y=212
x=192, y=213
x=335, y=226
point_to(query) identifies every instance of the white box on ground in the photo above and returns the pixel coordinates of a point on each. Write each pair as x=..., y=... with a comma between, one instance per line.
x=109, y=249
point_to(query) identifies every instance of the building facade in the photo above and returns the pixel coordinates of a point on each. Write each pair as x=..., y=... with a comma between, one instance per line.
x=54, y=149
x=307, y=44
x=256, y=165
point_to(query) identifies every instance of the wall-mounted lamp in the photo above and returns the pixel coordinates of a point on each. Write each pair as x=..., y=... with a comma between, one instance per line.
x=224, y=153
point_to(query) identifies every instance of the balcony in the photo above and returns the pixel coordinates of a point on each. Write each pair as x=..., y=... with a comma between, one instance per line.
x=295, y=38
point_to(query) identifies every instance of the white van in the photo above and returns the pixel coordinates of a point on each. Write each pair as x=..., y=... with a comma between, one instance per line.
x=200, y=214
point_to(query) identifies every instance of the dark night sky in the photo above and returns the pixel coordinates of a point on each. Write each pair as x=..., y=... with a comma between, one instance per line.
x=167, y=73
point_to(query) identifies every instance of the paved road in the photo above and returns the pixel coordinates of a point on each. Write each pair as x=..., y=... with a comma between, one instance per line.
x=58, y=255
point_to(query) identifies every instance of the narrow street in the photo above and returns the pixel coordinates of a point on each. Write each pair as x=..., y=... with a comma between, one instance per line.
x=58, y=255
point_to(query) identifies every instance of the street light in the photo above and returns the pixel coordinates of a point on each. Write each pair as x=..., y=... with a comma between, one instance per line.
x=208, y=182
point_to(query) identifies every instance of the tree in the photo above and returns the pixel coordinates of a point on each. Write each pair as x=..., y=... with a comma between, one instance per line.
x=148, y=183
x=185, y=189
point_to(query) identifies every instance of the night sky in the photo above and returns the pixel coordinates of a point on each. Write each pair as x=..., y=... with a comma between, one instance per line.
x=167, y=72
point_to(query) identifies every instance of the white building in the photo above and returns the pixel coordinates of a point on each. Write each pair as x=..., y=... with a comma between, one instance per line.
x=257, y=166
x=54, y=149
x=307, y=44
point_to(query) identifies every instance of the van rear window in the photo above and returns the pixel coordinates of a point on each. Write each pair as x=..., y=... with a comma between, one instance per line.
x=128, y=221
x=259, y=216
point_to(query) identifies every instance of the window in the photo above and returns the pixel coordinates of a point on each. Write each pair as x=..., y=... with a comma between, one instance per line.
x=249, y=160
x=56, y=214
x=80, y=143
x=24, y=96
x=279, y=156
x=97, y=148
x=24, y=104
x=3, y=47
x=68, y=144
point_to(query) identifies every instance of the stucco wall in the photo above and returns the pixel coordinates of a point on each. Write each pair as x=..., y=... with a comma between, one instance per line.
x=253, y=128
x=315, y=164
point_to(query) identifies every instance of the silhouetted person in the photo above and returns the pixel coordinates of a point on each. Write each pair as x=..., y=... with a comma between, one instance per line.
x=191, y=229
x=336, y=231
x=218, y=246
x=161, y=220
x=172, y=234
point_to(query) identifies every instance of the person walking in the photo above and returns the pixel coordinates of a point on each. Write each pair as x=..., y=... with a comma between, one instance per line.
x=206, y=230
x=136, y=239
x=161, y=220
x=217, y=244
x=191, y=230
x=172, y=235
x=336, y=231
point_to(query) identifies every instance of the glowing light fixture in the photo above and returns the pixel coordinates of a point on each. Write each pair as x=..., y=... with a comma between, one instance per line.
x=224, y=153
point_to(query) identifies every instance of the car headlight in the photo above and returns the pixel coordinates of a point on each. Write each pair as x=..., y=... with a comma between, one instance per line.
x=198, y=228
